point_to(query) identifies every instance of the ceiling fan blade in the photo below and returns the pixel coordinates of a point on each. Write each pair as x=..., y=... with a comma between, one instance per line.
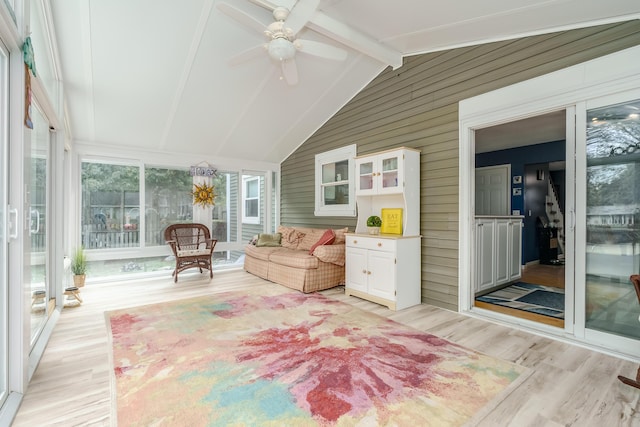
x=290, y=72
x=322, y=50
x=242, y=17
x=270, y=5
x=301, y=14
x=248, y=54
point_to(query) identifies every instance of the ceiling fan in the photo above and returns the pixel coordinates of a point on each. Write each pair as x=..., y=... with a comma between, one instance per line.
x=282, y=44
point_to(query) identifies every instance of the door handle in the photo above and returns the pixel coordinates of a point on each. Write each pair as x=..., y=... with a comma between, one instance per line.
x=573, y=219
x=35, y=230
x=13, y=223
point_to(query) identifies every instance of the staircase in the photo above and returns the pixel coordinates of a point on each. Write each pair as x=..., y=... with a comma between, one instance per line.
x=554, y=213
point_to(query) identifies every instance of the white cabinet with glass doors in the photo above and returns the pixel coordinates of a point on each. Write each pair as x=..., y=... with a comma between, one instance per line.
x=380, y=174
x=385, y=268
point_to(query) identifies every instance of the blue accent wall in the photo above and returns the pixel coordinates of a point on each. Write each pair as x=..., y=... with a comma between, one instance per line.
x=518, y=158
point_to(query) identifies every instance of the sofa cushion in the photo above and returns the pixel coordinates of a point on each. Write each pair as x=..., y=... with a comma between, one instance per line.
x=293, y=258
x=270, y=240
x=290, y=237
x=260, y=253
x=327, y=238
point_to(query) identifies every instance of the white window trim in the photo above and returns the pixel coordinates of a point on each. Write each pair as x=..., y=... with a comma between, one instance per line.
x=245, y=218
x=334, y=156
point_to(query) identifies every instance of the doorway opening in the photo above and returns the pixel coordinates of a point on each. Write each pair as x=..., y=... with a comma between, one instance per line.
x=520, y=223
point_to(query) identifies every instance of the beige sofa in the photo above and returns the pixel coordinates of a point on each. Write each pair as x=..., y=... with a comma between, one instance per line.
x=292, y=265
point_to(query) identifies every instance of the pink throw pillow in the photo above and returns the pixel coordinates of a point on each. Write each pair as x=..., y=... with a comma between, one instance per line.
x=327, y=238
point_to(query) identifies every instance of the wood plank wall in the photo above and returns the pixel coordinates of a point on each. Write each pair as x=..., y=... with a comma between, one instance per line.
x=417, y=106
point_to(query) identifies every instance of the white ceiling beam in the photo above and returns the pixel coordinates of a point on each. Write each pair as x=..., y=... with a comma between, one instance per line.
x=348, y=36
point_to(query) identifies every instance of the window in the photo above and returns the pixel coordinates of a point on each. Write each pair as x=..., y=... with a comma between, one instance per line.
x=335, y=189
x=168, y=200
x=251, y=199
x=224, y=214
x=110, y=197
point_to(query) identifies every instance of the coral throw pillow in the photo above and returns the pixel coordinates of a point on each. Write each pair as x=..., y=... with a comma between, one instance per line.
x=327, y=238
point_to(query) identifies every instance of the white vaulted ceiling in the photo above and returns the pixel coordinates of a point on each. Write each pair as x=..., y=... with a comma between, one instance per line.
x=155, y=74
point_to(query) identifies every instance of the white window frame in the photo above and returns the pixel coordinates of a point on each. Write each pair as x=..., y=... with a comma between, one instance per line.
x=246, y=219
x=335, y=156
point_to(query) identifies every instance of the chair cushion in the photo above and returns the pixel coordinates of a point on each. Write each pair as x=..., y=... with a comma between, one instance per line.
x=193, y=252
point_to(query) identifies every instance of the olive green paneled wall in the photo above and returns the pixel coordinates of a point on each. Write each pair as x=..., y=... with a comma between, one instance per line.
x=417, y=106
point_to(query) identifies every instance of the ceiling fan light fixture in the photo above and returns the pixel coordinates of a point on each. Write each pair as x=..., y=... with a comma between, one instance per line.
x=281, y=49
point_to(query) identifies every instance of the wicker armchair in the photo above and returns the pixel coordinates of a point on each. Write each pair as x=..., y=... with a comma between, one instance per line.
x=635, y=280
x=192, y=246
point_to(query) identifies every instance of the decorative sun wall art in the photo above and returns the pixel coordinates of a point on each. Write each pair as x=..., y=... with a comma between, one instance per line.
x=203, y=194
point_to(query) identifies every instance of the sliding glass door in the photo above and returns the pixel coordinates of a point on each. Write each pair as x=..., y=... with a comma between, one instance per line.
x=611, y=221
x=4, y=190
x=36, y=265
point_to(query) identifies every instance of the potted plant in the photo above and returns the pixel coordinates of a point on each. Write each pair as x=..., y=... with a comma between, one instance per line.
x=373, y=224
x=79, y=267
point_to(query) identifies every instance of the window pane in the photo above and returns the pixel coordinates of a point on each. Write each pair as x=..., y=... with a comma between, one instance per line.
x=168, y=200
x=252, y=208
x=110, y=195
x=252, y=188
x=224, y=215
x=336, y=195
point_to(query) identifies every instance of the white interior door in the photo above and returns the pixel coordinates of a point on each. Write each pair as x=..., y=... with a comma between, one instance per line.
x=492, y=190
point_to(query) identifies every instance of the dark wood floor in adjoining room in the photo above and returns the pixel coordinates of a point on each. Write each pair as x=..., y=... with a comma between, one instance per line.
x=569, y=385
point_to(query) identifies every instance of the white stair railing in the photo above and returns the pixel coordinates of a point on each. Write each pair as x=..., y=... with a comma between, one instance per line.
x=554, y=213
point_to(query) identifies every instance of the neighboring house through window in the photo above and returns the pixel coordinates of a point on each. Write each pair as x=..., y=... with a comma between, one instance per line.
x=251, y=199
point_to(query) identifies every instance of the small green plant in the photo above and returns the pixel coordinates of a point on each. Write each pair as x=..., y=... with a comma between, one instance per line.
x=79, y=262
x=374, y=221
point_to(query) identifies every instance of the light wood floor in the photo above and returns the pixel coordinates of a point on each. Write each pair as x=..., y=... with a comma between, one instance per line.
x=569, y=385
x=537, y=274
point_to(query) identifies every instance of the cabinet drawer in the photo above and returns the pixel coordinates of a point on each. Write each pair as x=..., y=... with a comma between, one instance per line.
x=365, y=242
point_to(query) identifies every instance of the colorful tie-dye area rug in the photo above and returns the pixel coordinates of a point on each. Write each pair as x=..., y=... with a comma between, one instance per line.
x=292, y=360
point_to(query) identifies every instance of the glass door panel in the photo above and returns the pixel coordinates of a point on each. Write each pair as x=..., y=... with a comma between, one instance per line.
x=4, y=286
x=390, y=172
x=613, y=219
x=36, y=263
x=365, y=175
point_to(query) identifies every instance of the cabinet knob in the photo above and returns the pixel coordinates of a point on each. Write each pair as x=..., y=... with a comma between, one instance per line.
x=364, y=271
x=355, y=242
x=368, y=272
x=379, y=244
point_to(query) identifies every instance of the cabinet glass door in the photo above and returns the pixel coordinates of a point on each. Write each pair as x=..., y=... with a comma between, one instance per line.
x=390, y=175
x=365, y=175
x=612, y=219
